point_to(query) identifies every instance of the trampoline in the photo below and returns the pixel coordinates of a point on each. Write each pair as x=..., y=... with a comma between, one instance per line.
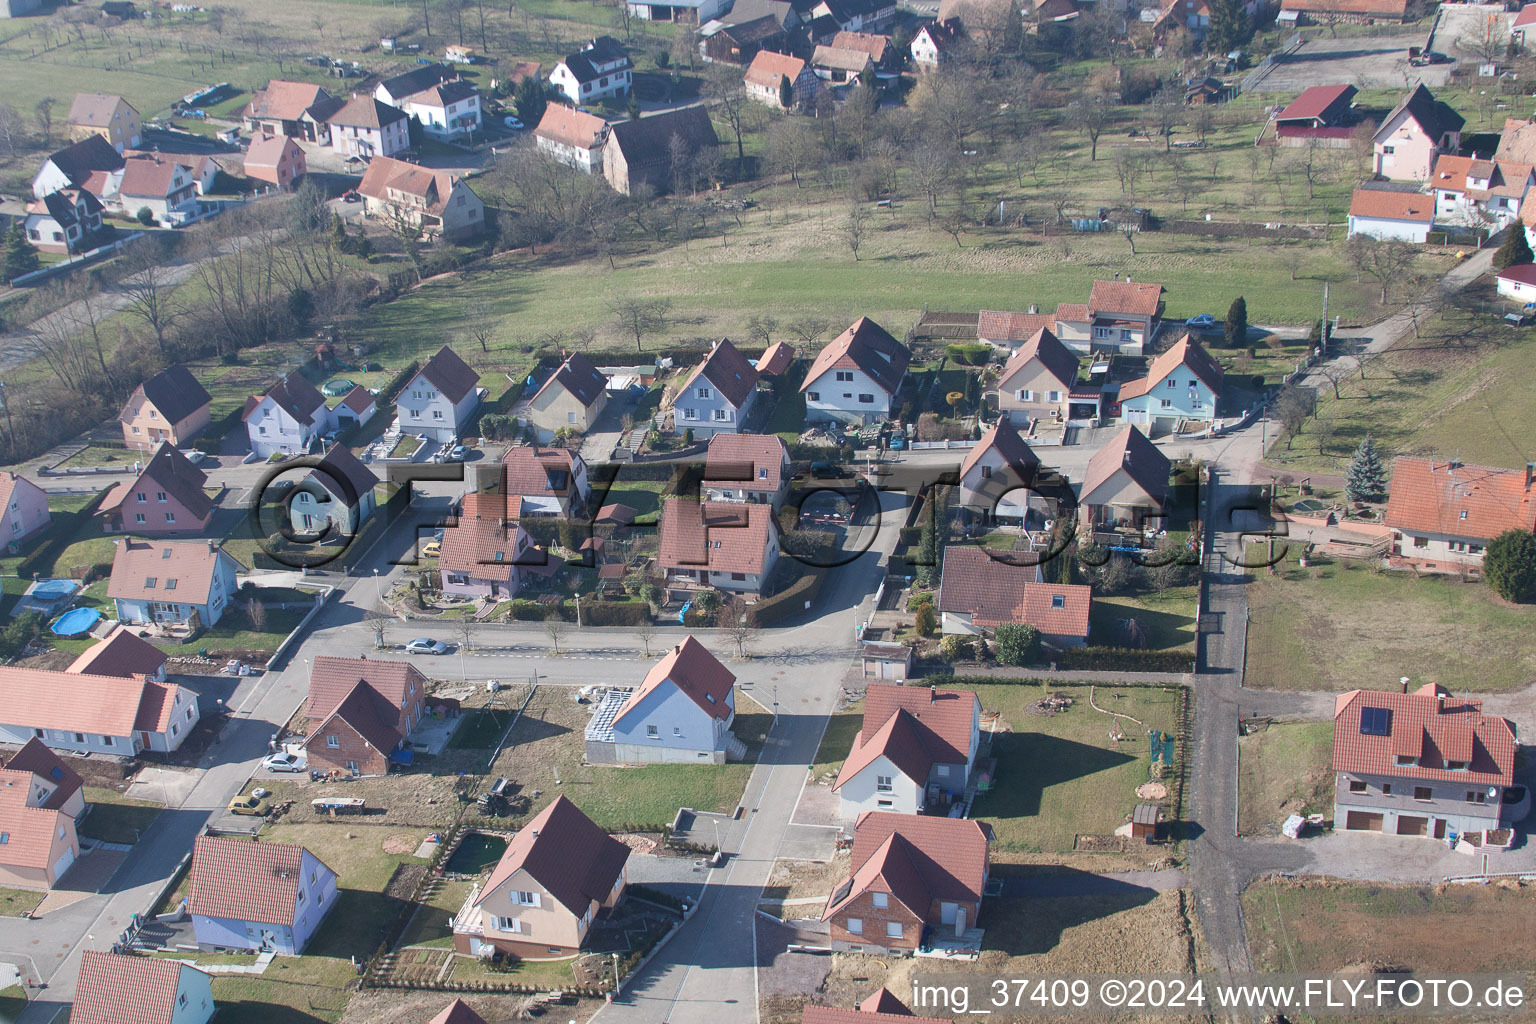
x=52, y=590
x=337, y=387
x=75, y=621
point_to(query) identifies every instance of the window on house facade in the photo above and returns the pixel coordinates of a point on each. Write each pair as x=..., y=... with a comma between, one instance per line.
x=1386, y=789
x=1055, y=396
x=705, y=393
x=893, y=929
x=1026, y=395
x=1406, y=759
x=527, y=899
x=1476, y=796
x=879, y=900
x=1423, y=793
x=333, y=741
x=855, y=925
x=1356, y=786
x=814, y=396
x=883, y=784
x=652, y=730
x=844, y=376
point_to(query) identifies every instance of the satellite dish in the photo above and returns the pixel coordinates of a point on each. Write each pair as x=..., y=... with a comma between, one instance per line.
x=1493, y=790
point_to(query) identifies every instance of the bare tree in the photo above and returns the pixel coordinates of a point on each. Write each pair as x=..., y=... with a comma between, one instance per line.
x=639, y=317
x=554, y=628
x=1091, y=115
x=464, y=629
x=256, y=614
x=728, y=96
x=807, y=329
x=1294, y=257
x=1335, y=374
x=151, y=294
x=1292, y=409
x=855, y=227
x=760, y=327
x=1385, y=261
x=738, y=627
x=480, y=323
x=12, y=127
x=44, y=114
x=1128, y=168
x=1165, y=115
x=1489, y=40
x=646, y=631
x=379, y=622
x=932, y=168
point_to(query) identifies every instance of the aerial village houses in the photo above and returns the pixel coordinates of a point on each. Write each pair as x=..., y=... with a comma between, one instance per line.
x=1324, y=113
x=718, y=396
x=1421, y=764
x=1332, y=12
x=166, y=498
x=277, y=160
x=910, y=873
x=768, y=74
x=265, y=897
x=1443, y=513
x=1122, y=316
x=289, y=419
x=856, y=377
x=203, y=169
x=485, y=553
x=170, y=406
x=571, y=400
x=25, y=510
x=681, y=713
x=121, y=653
x=642, y=153
x=441, y=399
x=720, y=544
x=111, y=117
x=296, y=109
x=746, y=467
x=1484, y=195
x=446, y=110
x=600, y=69
x=65, y=221
x=933, y=41
x=978, y=593
x=182, y=582
x=1414, y=135
x=365, y=127
x=1517, y=282
x=337, y=495
x=558, y=872
x=915, y=750
x=997, y=473
x=551, y=482
x=1039, y=380
x=734, y=39
x=40, y=801
x=360, y=711
x=572, y=137
x=1126, y=484
x=1389, y=214
x=163, y=186
x=440, y=203
x=1182, y=385
x=75, y=165
x=119, y=988
x=86, y=714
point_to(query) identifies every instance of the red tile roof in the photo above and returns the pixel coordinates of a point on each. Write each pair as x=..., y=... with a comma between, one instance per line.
x=570, y=127
x=1381, y=204
x=535, y=472
x=164, y=570
x=775, y=358
x=768, y=69
x=753, y=461
x=359, y=400
x=898, y=739
x=1043, y=345
x=874, y=45
x=172, y=472
x=728, y=370
x=1136, y=298
x=1003, y=437
x=1130, y=449
x=457, y=1012
x=486, y=528
x=150, y=177
x=1430, y=725
x=366, y=713
x=946, y=857
x=452, y=375
x=618, y=513
x=272, y=151
x=95, y=109
x=286, y=101
x=1005, y=327
x=1187, y=353
x=562, y=850
x=720, y=535
x=1058, y=609
x=578, y=376
x=834, y=1015
x=366, y=112
x=36, y=698
x=884, y=1001
x=386, y=175
x=1456, y=500
x=696, y=672
x=117, y=989
x=294, y=395
x=1526, y=17
x=243, y=880
x=995, y=593
x=1521, y=273
x=946, y=716
x=35, y=758
x=121, y=653
x=156, y=707
x=31, y=829
x=1315, y=102
x=332, y=679
x=864, y=346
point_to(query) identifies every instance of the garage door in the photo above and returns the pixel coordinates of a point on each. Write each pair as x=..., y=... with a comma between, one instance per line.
x=1412, y=826
x=62, y=865
x=1364, y=821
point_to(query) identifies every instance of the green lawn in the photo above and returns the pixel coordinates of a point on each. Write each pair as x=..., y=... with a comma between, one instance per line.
x=92, y=455
x=644, y=496
x=1457, y=391
x=236, y=632
x=1284, y=770
x=432, y=925
x=551, y=974
x=115, y=818
x=1168, y=619
x=1342, y=625
x=1060, y=776
x=12, y=1002
x=836, y=743
x=16, y=902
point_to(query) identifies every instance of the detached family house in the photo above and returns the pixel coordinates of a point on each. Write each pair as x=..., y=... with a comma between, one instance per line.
x=1038, y=382
x=1384, y=213
x=600, y=69
x=85, y=714
x=857, y=377
x=277, y=160
x=1443, y=513
x=1126, y=483
x=365, y=128
x=184, y=582
x=40, y=801
x=997, y=473
x=65, y=221
x=486, y=552
x=915, y=750
x=438, y=203
x=121, y=653
x=77, y=166
x=23, y=510
x=1483, y=195
x=572, y=137
x=1182, y=385
x=166, y=498
x=170, y=406
x=644, y=152
x=718, y=396
x=720, y=544
x=933, y=42
x=360, y=711
x=681, y=713
x=1122, y=317
x=118, y=988
x=551, y=482
x=289, y=419
x=572, y=399
x=1421, y=764
x=111, y=117
x=978, y=593
x=440, y=400
x=751, y=468
x=337, y=495
x=295, y=109
x=910, y=874
x=264, y=897
x=447, y=108
x=781, y=81
x=559, y=872
x=1414, y=135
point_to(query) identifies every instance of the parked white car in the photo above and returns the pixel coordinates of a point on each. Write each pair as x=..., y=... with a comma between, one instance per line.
x=421, y=645
x=284, y=762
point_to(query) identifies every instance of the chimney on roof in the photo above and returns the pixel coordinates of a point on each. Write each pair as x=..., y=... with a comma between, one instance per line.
x=1033, y=308
x=211, y=544
x=1404, y=681
x=1530, y=474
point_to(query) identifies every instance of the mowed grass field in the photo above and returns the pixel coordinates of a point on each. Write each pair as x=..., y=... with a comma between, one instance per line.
x=1283, y=770
x=1339, y=626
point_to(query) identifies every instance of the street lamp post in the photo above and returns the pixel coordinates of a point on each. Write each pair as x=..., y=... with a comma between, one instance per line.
x=378, y=595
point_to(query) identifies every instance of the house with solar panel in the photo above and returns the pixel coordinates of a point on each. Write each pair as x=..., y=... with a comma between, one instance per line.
x=1423, y=763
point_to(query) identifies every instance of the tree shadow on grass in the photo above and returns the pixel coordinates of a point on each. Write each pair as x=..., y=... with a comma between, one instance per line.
x=1163, y=629
x=1029, y=762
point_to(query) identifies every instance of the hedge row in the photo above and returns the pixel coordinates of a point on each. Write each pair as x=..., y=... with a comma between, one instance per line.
x=787, y=602
x=597, y=612
x=60, y=535
x=1123, y=659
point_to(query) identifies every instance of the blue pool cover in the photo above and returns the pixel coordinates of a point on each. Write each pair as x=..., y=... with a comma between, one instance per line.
x=75, y=621
x=48, y=590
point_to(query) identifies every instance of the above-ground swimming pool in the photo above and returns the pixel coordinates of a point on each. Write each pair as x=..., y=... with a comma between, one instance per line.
x=338, y=386
x=75, y=621
x=52, y=590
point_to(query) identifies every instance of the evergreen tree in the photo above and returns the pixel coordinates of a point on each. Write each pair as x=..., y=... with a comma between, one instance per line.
x=1367, y=478
x=928, y=541
x=1515, y=249
x=1230, y=27
x=1509, y=565
x=1237, y=323
x=530, y=101
x=20, y=257
x=786, y=92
